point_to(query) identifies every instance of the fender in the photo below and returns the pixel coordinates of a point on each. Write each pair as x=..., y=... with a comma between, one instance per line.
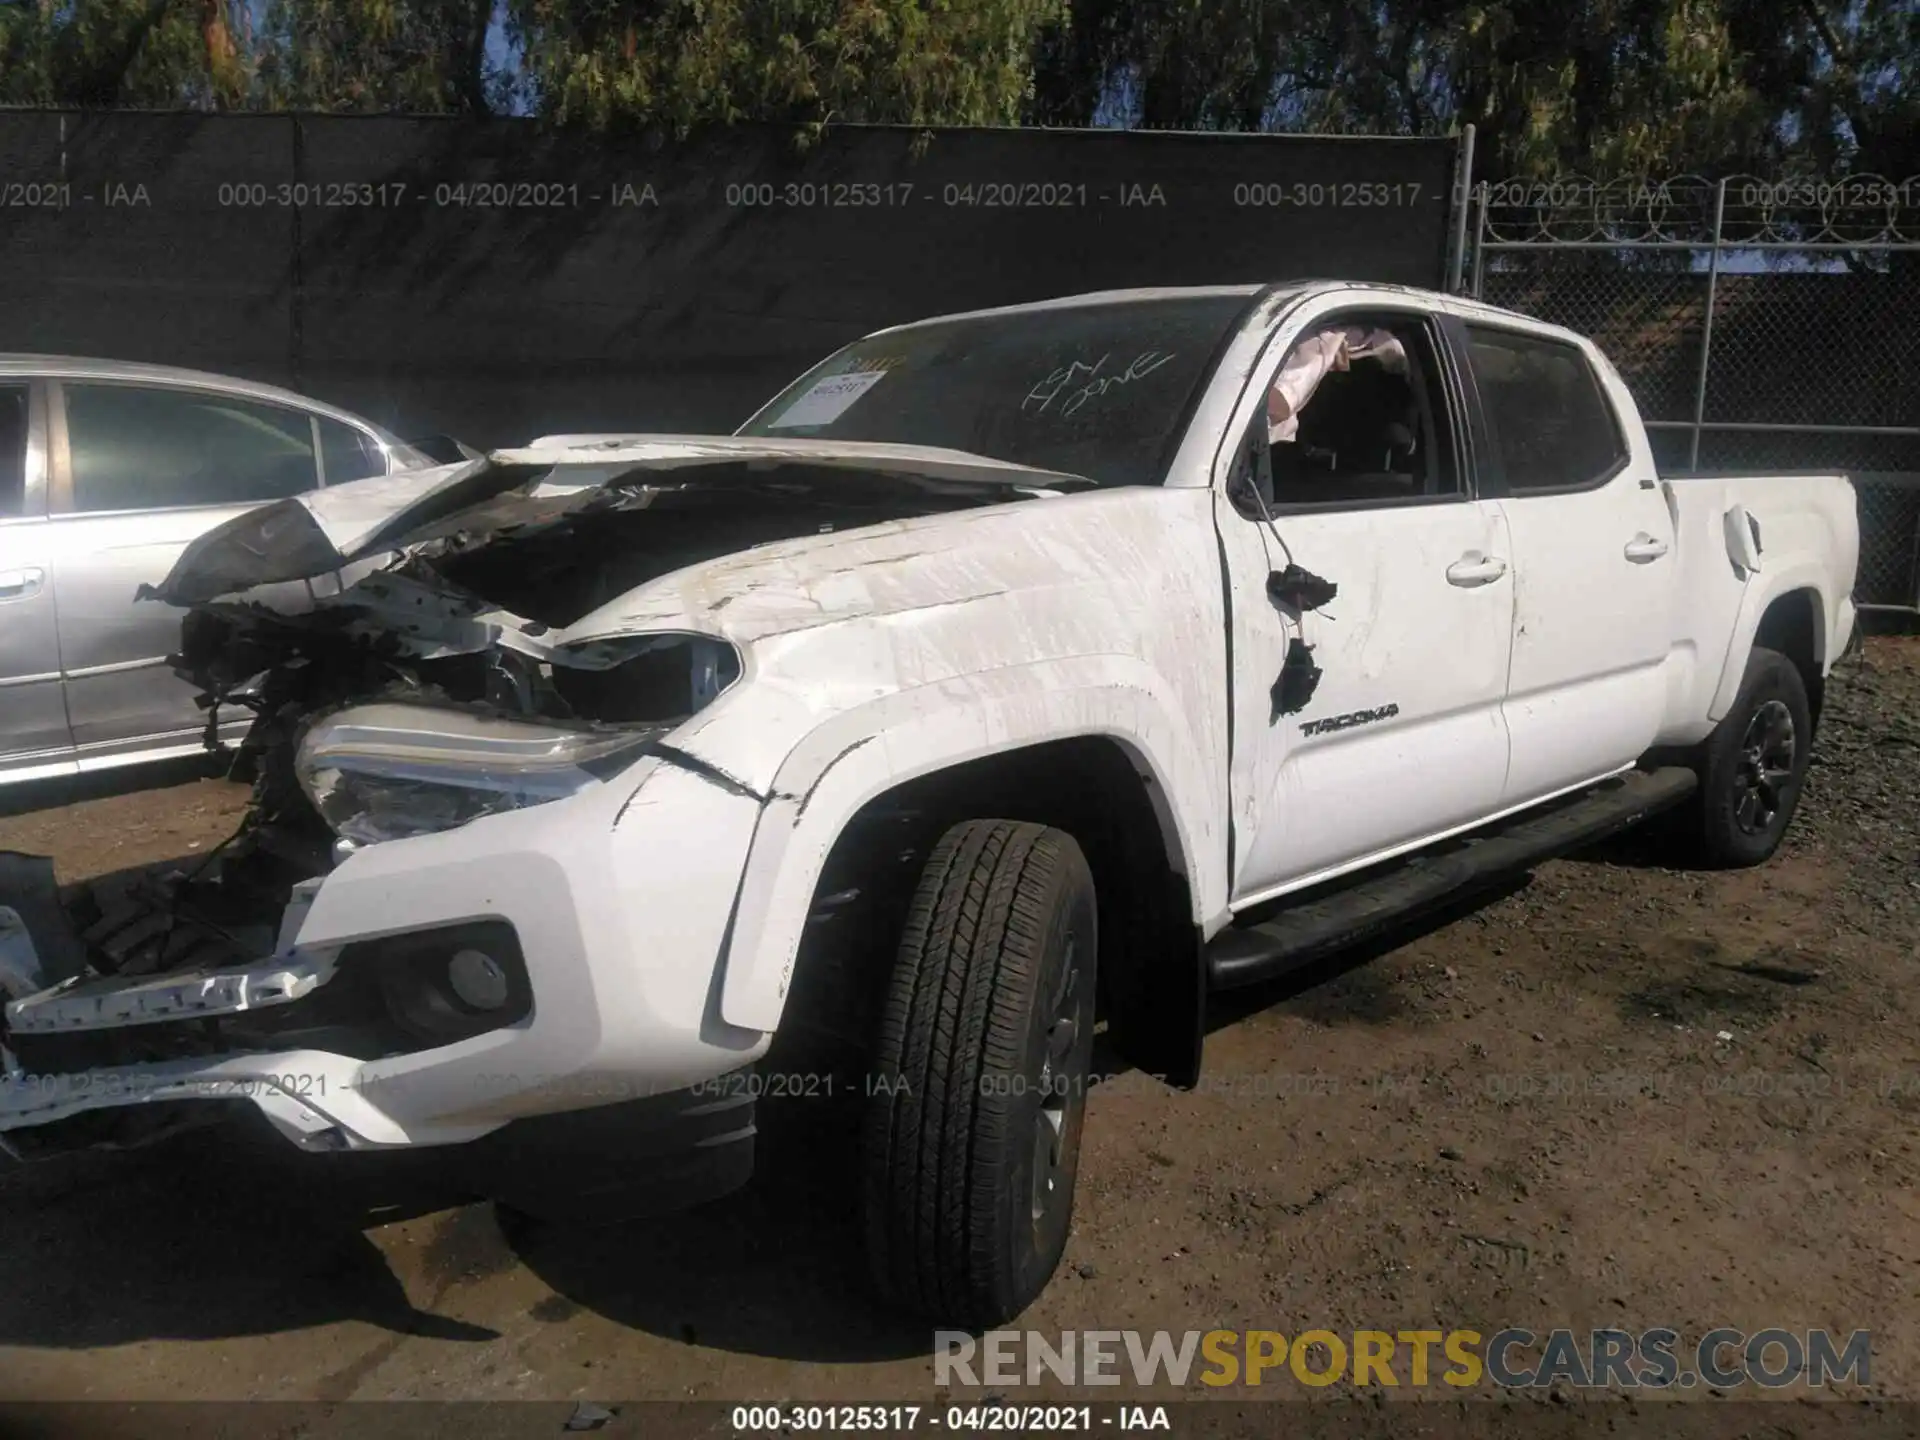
x=854, y=757
x=1763, y=588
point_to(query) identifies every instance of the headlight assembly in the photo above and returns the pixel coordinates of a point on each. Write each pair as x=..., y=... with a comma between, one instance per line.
x=383, y=772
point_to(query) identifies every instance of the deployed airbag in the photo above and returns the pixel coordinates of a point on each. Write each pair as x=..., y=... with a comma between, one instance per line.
x=1312, y=359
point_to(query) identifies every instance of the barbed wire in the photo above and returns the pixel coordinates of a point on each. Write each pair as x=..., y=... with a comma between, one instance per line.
x=1866, y=210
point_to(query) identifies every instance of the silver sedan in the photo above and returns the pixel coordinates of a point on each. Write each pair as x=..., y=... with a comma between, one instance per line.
x=107, y=470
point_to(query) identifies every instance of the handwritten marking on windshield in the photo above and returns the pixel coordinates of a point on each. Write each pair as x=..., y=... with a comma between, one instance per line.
x=1067, y=380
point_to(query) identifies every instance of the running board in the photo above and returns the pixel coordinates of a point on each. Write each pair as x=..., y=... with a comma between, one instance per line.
x=1314, y=929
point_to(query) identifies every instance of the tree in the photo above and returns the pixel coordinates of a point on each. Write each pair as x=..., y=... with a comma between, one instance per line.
x=679, y=63
x=422, y=55
x=162, y=54
x=1845, y=75
x=1647, y=87
x=381, y=55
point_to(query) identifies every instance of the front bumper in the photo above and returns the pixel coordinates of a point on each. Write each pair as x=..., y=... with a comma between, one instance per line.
x=619, y=899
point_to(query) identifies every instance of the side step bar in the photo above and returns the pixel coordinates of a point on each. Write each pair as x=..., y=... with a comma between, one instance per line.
x=1314, y=929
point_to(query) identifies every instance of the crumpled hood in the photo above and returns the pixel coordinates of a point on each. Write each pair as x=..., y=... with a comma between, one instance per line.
x=327, y=530
x=894, y=568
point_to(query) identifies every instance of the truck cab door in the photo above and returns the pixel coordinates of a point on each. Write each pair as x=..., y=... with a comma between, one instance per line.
x=34, y=738
x=1594, y=568
x=1391, y=733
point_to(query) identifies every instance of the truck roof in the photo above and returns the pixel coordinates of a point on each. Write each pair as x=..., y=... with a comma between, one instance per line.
x=1298, y=288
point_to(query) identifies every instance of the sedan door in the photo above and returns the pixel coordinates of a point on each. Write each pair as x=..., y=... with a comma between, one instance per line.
x=139, y=471
x=33, y=715
x=1390, y=733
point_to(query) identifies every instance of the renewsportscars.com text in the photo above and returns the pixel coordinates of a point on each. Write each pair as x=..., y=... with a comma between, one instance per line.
x=1653, y=1359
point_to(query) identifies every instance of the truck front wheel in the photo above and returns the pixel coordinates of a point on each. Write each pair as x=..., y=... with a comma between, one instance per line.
x=1752, y=766
x=980, y=1077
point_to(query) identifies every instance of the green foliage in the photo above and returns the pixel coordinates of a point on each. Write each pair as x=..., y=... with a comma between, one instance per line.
x=408, y=55
x=160, y=54
x=680, y=63
x=421, y=56
x=1847, y=75
x=1646, y=87
x=1616, y=86
x=674, y=63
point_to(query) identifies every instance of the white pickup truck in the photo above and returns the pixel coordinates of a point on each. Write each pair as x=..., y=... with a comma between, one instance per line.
x=1007, y=672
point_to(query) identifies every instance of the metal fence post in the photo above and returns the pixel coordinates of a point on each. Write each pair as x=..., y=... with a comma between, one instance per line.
x=1706, y=333
x=1461, y=198
x=1480, y=238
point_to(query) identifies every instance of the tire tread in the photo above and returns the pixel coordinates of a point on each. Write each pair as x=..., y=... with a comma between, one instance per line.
x=1704, y=831
x=956, y=1011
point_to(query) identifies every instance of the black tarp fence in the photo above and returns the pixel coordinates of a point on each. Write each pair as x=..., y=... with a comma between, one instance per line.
x=498, y=279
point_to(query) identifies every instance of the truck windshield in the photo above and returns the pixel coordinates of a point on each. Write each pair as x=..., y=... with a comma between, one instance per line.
x=1101, y=390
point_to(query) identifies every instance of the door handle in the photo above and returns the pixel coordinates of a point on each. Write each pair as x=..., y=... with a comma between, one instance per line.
x=1473, y=568
x=19, y=584
x=1643, y=548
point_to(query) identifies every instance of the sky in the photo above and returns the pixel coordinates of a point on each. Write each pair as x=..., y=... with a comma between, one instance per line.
x=502, y=53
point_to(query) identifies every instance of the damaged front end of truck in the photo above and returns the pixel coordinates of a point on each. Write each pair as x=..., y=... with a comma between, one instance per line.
x=411, y=654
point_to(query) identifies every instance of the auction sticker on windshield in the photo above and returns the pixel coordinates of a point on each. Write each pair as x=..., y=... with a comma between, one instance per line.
x=827, y=399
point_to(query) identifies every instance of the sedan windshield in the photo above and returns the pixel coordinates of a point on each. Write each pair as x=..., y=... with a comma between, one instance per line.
x=1101, y=390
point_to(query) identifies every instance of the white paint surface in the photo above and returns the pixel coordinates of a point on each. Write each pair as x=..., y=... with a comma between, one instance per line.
x=661, y=912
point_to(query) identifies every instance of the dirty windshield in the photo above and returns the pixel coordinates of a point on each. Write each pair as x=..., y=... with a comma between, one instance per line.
x=1099, y=390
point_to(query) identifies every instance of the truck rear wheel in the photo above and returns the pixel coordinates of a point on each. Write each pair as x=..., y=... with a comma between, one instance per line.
x=979, y=1084
x=1752, y=767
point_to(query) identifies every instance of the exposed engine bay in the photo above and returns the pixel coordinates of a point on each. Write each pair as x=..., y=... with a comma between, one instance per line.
x=457, y=625
x=408, y=687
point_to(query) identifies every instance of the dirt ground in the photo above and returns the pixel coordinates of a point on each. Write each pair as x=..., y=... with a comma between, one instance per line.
x=1618, y=1095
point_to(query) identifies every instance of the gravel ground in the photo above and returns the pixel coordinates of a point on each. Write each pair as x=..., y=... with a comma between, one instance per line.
x=1618, y=1095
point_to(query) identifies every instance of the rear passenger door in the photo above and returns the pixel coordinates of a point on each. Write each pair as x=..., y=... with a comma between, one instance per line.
x=33, y=715
x=140, y=470
x=1592, y=542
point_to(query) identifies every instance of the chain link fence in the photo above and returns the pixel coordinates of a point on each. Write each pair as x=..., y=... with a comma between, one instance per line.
x=1761, y=325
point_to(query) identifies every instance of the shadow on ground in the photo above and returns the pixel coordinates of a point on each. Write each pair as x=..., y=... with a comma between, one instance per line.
x=227, y=1230
x=221, y=1231
x=1343, y=989
x=25, y=797
x=734, y=1275
x=776, y=1269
